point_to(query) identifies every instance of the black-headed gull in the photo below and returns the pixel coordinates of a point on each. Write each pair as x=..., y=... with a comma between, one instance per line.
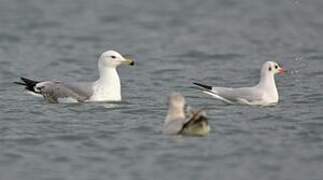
x=263, y=94
x=106, y=88
x=179, y=121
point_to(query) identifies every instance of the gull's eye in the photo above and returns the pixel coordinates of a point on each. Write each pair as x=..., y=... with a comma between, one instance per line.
x=269, y=68
x=113, y=57
x=276, y=66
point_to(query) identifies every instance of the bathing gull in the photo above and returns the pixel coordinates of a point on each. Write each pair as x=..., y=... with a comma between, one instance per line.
x=179, y=121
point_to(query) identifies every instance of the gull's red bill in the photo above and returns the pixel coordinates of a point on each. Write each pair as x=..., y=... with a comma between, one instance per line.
x=282, y=71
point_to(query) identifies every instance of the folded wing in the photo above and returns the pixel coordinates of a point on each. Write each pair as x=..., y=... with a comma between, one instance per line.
x=52, y=91
x=233, y=95
x=247, y=94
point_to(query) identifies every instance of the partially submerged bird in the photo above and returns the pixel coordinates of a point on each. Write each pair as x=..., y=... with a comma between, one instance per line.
x=106, y=88
x=179, y=121
x=263, y=94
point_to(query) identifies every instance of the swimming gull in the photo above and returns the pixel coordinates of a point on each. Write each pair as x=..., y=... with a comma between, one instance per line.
x=106, y=88
x=263, y=94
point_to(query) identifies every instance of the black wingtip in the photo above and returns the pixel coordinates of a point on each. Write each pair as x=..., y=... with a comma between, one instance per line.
x=26, y=80
x=20, y=83
x=203, y=85
x=28, y=83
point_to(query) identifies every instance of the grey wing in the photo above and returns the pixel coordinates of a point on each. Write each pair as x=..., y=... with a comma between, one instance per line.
x=82, y=88
x=173, y=127
x=53, y=90
x=237, y=94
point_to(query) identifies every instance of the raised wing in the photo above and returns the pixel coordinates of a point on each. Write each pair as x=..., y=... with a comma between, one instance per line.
x=173, y=127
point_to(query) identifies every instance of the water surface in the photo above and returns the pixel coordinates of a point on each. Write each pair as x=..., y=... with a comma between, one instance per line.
x=174, y=42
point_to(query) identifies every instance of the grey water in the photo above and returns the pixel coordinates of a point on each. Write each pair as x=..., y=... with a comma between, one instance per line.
x=219, y=42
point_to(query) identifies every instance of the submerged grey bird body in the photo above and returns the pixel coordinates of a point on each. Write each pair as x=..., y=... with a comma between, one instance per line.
x=197, y=124
x=178, y=121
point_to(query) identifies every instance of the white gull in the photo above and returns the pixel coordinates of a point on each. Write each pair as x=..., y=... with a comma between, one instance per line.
x=106, y=88
x=265, y=93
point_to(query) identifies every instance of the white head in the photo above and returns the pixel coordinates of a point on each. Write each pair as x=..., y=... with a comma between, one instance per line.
x=112, y=59
x=271, y=68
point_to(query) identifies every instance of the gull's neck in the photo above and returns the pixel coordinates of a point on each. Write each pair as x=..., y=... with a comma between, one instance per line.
x=107, y=87
x=267, y=80
x=267, y=84
x=175, y=113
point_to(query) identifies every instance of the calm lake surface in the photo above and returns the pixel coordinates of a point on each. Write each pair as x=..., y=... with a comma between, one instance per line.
x=221, y=42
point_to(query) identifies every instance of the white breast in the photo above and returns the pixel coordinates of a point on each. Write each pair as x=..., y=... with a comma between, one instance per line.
x=105, y=93
x=108, y=87
x=271, y=98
